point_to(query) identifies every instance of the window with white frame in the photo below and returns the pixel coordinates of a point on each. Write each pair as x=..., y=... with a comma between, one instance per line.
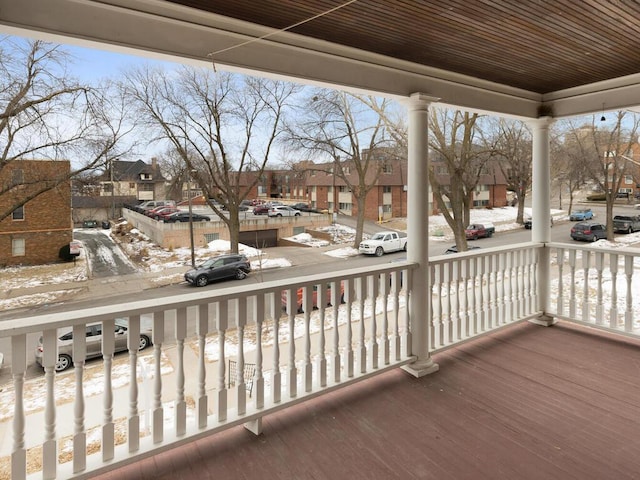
x=18, y=247
x=18, y=213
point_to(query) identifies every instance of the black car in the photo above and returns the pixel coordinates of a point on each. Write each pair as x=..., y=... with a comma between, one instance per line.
x=454, y=249
x=182, y=216
x=528, y=223
x=588, y=231
x=219, y=268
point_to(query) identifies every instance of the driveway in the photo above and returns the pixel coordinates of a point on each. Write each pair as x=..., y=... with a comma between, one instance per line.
x=104, y=257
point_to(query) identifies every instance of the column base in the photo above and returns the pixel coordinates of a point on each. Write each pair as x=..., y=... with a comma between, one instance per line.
x=421, y=368
x=544, y=320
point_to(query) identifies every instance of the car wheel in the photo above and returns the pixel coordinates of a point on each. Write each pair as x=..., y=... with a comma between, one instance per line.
x=202, y=281
x=405, y=247
x=144, y=342
x=240, y=274
x=379, y=252
x=64, y=362
x=297, y=214
x=279, y=215
x=630, y=230
x=594, y=238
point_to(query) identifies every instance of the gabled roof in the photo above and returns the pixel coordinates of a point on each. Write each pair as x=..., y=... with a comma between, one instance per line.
x=130, y=171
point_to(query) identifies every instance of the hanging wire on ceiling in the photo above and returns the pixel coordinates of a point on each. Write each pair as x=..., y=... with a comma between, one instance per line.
x=270, y=34
x=603, y=118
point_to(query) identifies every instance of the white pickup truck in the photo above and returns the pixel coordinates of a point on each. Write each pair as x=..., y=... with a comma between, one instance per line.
x=383, y=242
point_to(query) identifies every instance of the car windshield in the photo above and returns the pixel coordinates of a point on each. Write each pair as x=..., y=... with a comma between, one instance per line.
x=378, y=236
x=208, y=264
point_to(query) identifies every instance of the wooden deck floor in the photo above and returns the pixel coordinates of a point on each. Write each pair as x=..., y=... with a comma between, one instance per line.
x=526, y=403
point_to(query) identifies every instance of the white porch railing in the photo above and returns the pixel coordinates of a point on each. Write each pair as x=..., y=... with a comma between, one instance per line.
x=125, y=407
x=598, y=287
x=477, y=292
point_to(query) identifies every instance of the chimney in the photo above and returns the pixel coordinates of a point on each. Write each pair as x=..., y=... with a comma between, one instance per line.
x=154, y=163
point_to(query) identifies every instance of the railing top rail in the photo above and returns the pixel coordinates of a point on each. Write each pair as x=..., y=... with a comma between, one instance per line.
x=197, y=297
x=626, y=250
x=483, y=252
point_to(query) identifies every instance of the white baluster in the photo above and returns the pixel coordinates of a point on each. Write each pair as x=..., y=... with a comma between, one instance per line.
x=407, y=317
x=322, y=355
x=241, y=386
x=180, y=402
x=292, y=307
x=454, y=292
x=374, y=284
x=586, y=265
x=613, y=265
x=396, y=280
x=572, y=261
x=335, y=351
x=202, y=328
x=348, y=353
x=433, y=313
x=385, y=285
x=18, y=370
x=258, y=382
x=158, y=411
x=50, y=445
x=628, y=314
x=276, y=376
x=560, y=307
x=361, y=350
x=108, y=425
x=221, y=310
x=307, y=302
x=599, y=305
x=133, y=344
x=79, y=433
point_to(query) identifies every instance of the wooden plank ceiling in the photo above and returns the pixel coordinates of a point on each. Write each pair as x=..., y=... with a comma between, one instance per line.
x=540, y=46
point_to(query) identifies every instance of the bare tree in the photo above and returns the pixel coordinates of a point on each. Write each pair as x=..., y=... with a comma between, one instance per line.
x=514, y=145
x=463, y=152
x=45, y=114
x=567, y=166
x=223, y=127
x=348, y=132
x=603, y=152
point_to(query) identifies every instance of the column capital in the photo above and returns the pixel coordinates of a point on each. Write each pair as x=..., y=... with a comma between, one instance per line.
x=541, y=122
x=419, y=101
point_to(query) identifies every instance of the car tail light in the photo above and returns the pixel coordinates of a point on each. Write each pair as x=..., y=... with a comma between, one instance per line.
x=587, y=232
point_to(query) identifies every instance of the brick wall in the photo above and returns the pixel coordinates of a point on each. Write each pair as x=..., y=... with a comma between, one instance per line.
x=46, y=226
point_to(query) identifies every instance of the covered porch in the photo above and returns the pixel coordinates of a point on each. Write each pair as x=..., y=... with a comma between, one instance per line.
x=526, y=402
x=488, y=395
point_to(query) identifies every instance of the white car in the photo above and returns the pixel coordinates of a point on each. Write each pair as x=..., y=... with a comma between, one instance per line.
x=283, y=211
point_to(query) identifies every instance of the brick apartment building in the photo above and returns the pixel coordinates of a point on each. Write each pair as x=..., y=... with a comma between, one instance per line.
x=34, y=233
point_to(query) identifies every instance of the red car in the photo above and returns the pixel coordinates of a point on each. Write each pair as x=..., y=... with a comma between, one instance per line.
x=315, y=297
x=261, y=209
x=164, y=213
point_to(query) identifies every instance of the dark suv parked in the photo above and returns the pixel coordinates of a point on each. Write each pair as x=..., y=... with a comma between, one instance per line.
x=219, y=268
x=588, y=231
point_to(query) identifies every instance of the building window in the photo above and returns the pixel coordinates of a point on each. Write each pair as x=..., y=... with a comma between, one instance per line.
x=344, y=206
x=18, y=247
x=628, y=180
x=107, y=187
x=17, y=176
x=343, y=189
x=386, y=189
x=145, y=176
x=346, y=170
x=18, y=213
x=387, y=168
x=210, y=237
x=480, y=203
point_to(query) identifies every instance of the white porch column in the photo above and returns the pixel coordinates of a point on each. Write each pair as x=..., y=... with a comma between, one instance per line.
x=418, y=233
x=541, y=215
